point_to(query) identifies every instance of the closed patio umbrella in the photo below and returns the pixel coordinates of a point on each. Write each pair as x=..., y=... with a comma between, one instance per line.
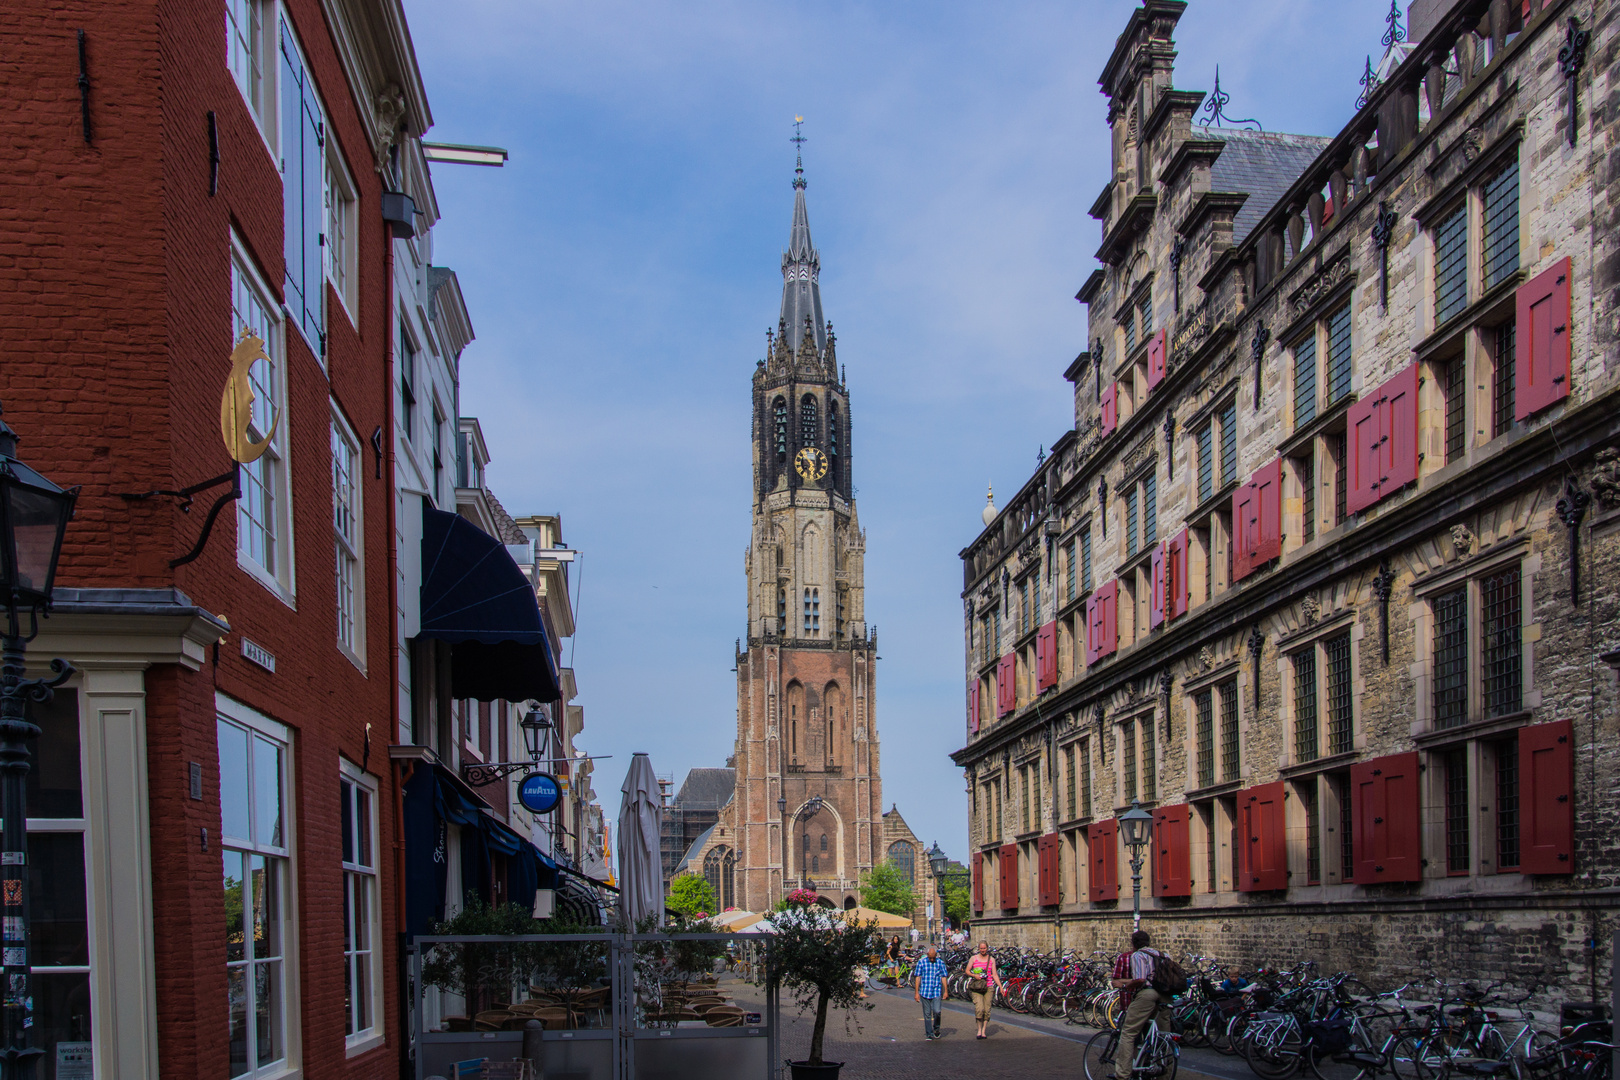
x=641, y=890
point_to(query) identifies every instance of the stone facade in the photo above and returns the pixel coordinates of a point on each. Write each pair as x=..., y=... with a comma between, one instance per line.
x=1299, y=580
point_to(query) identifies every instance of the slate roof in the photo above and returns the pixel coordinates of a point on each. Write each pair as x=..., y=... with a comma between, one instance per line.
x=1262, y=164
x=691, y=852
x=801, y=295
x=706, y=789
x=508, y=529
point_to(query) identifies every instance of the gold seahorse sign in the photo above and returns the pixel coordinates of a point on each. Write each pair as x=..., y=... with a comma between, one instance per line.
x=236, y=407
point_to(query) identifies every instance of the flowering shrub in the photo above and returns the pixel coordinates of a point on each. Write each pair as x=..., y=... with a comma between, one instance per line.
x=801, y=898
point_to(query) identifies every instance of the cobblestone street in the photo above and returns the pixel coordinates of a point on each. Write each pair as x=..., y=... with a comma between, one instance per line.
x=889, y=1045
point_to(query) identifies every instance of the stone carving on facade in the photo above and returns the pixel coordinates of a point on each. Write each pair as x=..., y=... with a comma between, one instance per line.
x=1206, y=658
x=389, y=109
x=1310, y=609
x=1319, y=286
x=1605, y=480
x=1462, y=540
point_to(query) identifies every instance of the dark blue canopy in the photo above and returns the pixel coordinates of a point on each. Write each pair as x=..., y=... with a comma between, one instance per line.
x=475, y=597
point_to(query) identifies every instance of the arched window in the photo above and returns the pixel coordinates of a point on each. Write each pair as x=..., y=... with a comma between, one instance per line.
x=718, y=865
x=832, y=428
x=903, y=854
x=815, y=863
x=823, y=841
x=849, y=902
x=808, y=428
x=812, y=611
x=780, y=411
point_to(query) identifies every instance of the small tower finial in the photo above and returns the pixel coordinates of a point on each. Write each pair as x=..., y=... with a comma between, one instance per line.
x=798, y=140
x=988, y=514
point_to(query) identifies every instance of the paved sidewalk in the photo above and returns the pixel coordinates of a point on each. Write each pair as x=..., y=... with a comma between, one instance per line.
x=889, y=1044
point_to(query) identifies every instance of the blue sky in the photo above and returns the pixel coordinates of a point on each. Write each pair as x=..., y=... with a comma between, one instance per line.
x=623, y=268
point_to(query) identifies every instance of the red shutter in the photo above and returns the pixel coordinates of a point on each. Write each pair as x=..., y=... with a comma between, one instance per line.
x=1172, y=873
x=1047, y=858
x=1007, y=871
x=1245, y=529
x=1158, y=346
x=1108, y=619
x=973, y=707
x=1398, y=431
x=1006, y=687
x=1046, y=658
x=1156, y=606
x=1547, y=798
x=1262, y=839
x=1361, y=470
x=1102, y=857
x=1541, y=370
x=978, y=881
x=1110, y=409
x=1384, y=808
x=1267, y=485
x=1180, y=583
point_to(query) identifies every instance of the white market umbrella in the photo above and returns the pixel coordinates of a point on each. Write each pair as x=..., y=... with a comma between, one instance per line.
x=736, y=919
x=764, y=926
x=641, y=890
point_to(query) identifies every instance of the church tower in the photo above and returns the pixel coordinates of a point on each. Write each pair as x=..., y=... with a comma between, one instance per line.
x=808, y=806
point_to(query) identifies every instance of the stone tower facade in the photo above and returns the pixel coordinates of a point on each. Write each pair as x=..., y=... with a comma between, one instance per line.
x=808, y=806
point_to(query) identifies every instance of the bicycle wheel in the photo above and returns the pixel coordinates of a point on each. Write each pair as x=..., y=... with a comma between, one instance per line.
x=1364, y=1059
x=1098, y=1056
x=1276, y=1055
x=1050, y=1002
x=1162, y=1060
x=1420, y=1057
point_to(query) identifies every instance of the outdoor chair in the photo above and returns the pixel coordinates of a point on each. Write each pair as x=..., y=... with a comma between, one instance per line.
x=555, y=1018
x=457, y=1023
x=517, y=1069
x=724, y=1016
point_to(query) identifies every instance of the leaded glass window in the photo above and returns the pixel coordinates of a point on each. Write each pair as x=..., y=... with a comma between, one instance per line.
x=1451, y=264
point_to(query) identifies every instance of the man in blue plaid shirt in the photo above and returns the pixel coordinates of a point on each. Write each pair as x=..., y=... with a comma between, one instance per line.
x=928, y=982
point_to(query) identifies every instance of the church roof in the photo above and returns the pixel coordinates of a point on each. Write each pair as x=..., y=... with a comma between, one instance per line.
x=706, y=789
x=682, y=867
x=801, y=269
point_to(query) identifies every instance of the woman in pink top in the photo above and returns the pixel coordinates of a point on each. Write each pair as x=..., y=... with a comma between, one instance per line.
x=983, y=966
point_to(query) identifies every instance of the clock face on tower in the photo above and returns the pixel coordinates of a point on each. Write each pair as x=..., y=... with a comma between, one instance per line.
x=810, y=463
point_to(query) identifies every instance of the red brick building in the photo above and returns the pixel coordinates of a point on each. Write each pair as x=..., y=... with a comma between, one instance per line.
x=173, y=176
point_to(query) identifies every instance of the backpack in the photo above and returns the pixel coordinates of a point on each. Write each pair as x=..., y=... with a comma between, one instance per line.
x=1169, y=978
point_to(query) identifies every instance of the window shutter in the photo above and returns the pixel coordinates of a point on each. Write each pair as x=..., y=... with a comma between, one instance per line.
x=973, y=707
x=1007, y=867
x=1398, y=431
x=292, y=171
x=1547, y=798
x=1110, y=409
x=1245, y=526
x=1046, y=665
x=1172, y=874
x=1267, y=485
x=1361, y=447
x=1541, y=371
x=1047, y=849
x=1103, y=860
x=1156, y=607
x=1093, y=628
x=1006, y=688
x=1263, y=842
x=1108, y=619
x=1158, y=348
x=1384, y=810
x=1176, y=564
x=314, y=211
x=978, y=881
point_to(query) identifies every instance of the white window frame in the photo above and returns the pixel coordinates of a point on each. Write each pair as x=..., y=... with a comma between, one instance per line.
x=247, y=43
x=349, y=551
x=405, y=344
x=229, y=711
x=359, y=1041
x=272, y=471
x=286, y=29
x=341, y=251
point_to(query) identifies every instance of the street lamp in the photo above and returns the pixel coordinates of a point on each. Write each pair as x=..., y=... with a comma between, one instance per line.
x=1136, y=828
x=33, y=516
x=534, y=726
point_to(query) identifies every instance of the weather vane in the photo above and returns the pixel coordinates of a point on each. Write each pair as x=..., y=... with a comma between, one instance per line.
x=1217, y=103
x=798, y=140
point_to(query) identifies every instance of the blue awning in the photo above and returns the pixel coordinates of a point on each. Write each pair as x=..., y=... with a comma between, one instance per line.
x=475, y=597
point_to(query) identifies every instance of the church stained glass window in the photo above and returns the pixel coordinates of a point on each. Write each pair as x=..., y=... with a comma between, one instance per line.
x=903, y=854
x=808, y=426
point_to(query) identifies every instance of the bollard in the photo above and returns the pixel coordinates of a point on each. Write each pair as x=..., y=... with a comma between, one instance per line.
x=532, y=1047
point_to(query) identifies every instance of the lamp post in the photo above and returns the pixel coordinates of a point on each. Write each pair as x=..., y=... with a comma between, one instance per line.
x=1136, y=826
x=33, y=516
x=940, y=863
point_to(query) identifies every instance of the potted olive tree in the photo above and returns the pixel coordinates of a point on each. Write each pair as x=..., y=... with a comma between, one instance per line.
x=815, y=956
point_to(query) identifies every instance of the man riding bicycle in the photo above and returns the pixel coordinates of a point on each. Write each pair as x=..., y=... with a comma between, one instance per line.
x=1133, y=974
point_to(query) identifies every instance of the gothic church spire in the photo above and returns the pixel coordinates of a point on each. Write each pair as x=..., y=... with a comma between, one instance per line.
x=801, y=269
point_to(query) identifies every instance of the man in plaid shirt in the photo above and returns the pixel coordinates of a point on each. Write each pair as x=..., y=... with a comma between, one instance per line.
x=928, y=983
x=1138, y=1001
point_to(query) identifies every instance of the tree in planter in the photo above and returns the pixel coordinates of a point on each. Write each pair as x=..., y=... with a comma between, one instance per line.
x=886, y=889
x=814, y=955
x=691, y=896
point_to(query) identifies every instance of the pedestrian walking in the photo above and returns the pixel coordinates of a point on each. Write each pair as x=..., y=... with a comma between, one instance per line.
x=982, y=982
x=928, y=987
x=1133, y=975
x=892, y=957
